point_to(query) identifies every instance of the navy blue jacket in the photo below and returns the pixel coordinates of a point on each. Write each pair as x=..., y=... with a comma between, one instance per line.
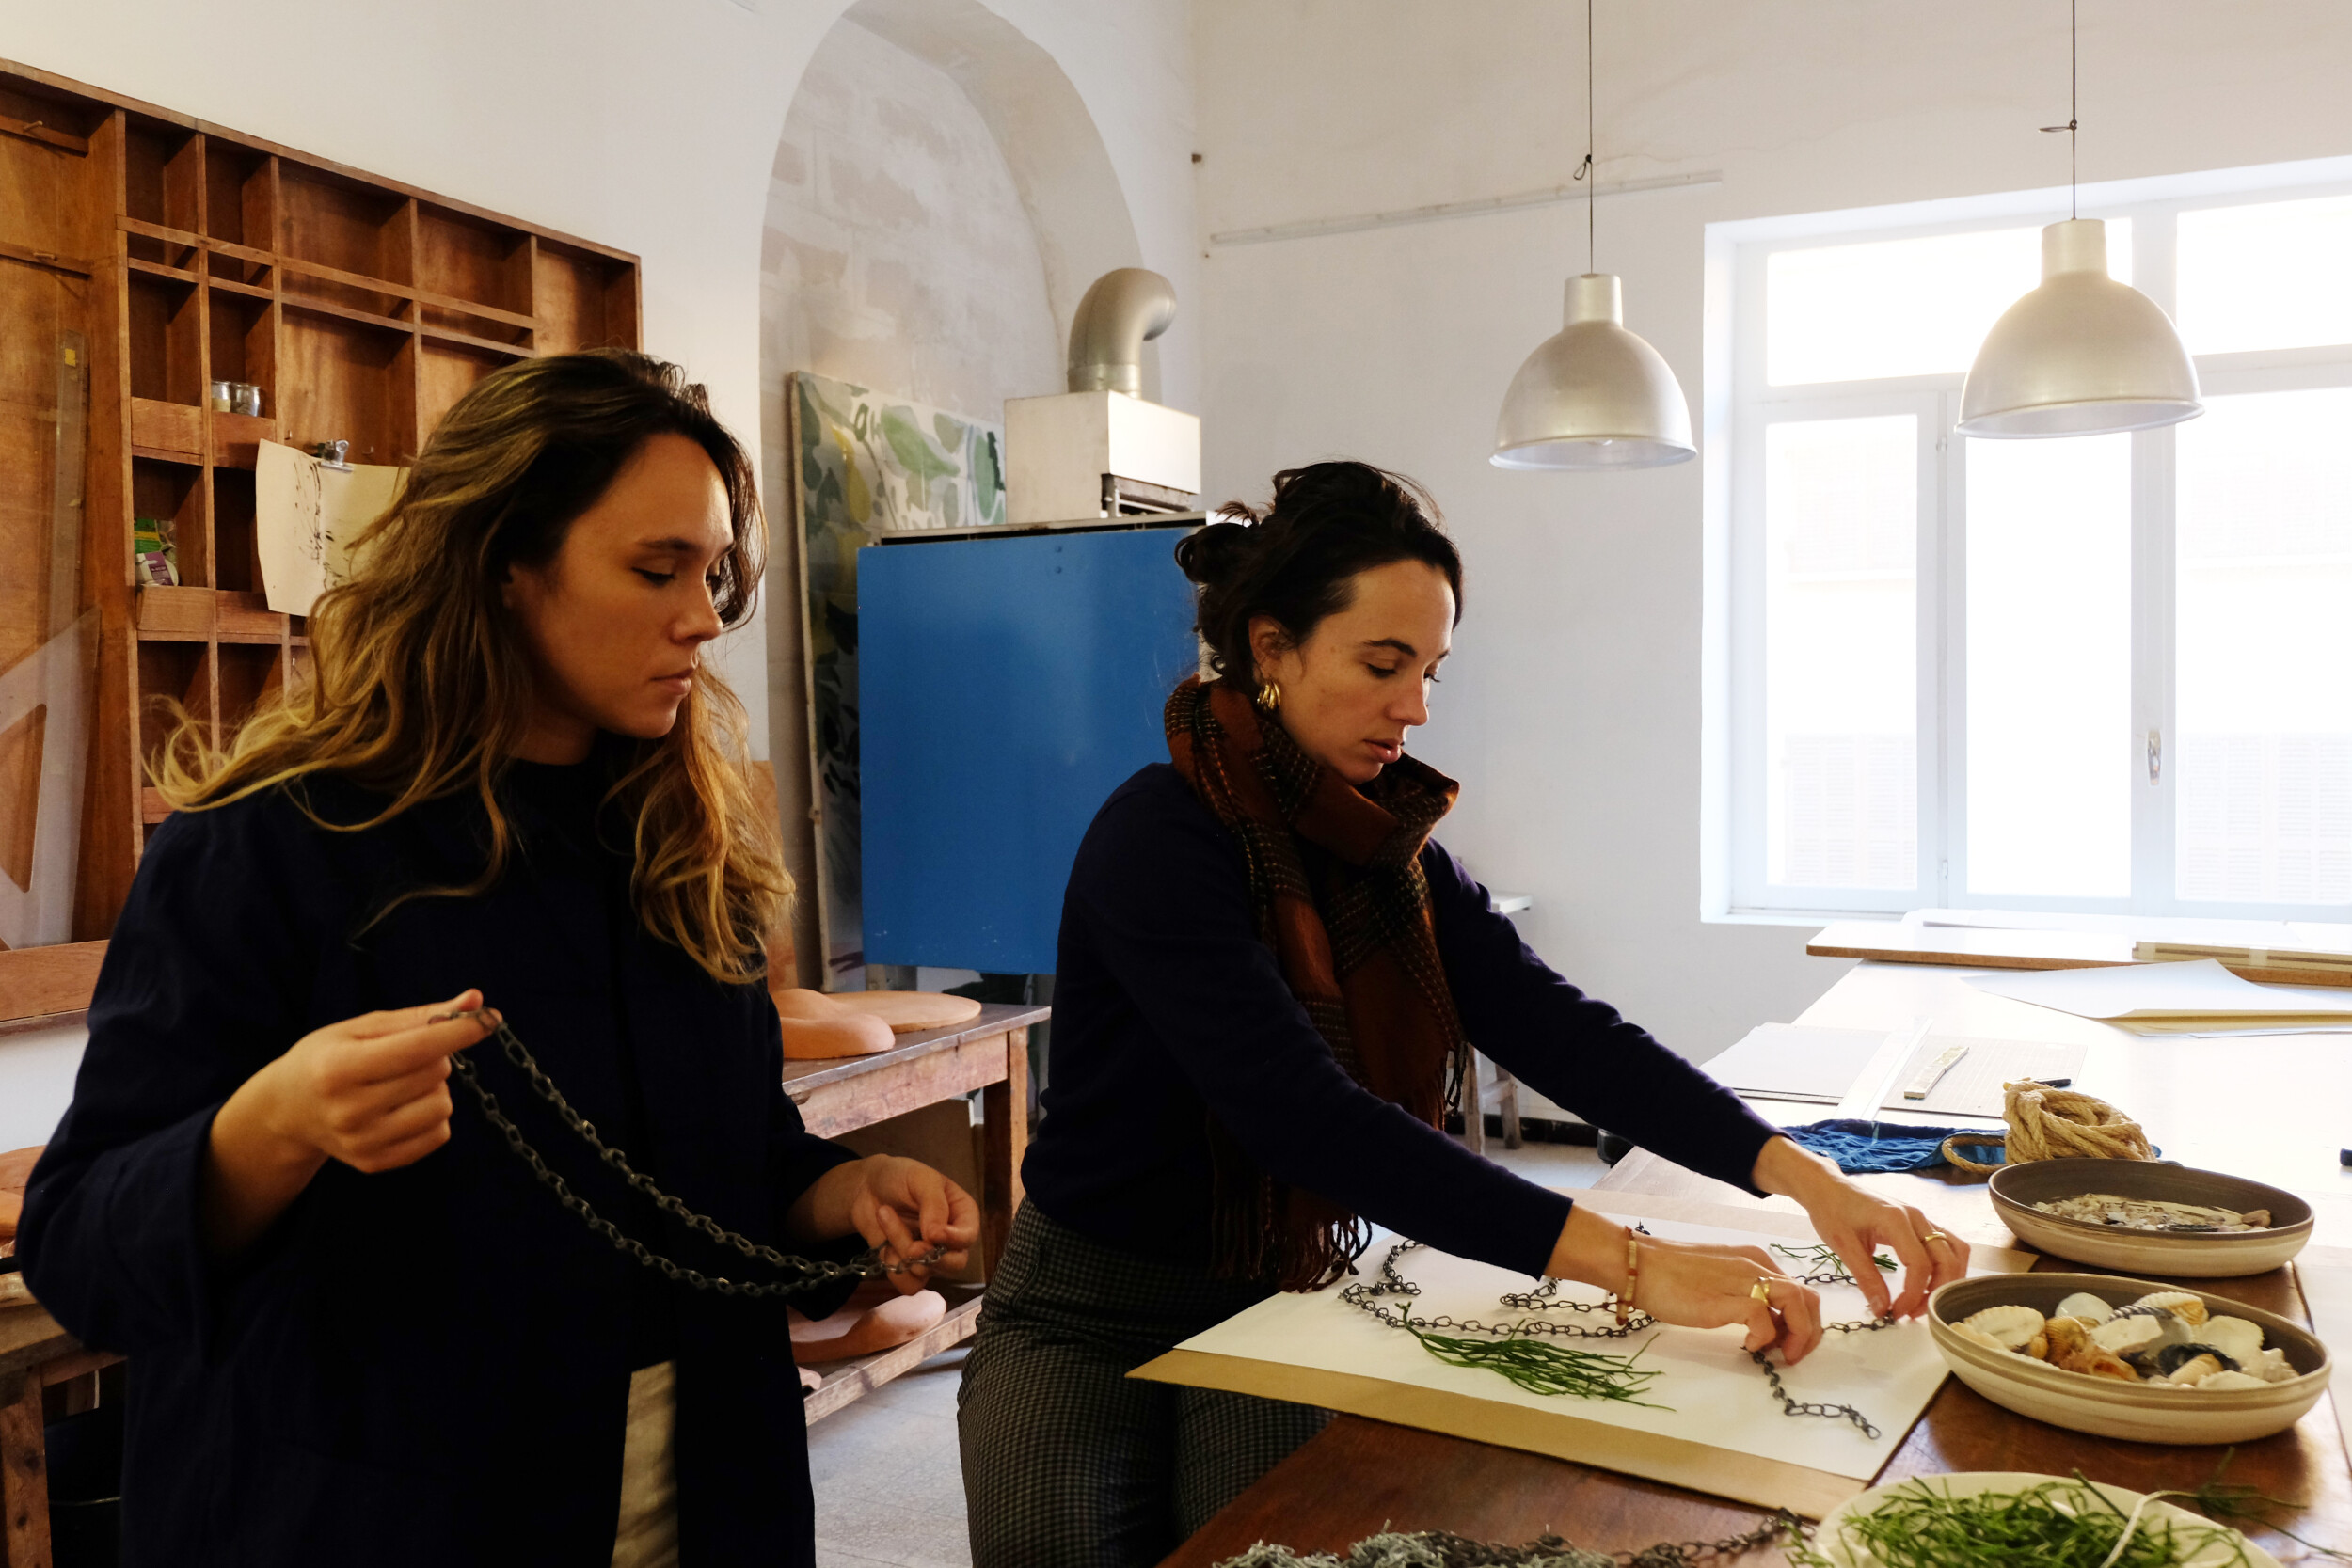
x=1168, y=1007
x=427, y=1364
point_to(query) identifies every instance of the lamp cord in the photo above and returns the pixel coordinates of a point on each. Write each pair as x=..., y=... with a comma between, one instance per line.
x=1584, y=170
x=2074, y=107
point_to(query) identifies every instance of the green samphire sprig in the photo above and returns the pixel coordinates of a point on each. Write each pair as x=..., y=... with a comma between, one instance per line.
x=2056, y=1524
x=1826, y=1267
x=1542, y=1367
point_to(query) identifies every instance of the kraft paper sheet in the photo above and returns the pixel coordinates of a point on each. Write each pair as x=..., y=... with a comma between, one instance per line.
x=1724, y=1433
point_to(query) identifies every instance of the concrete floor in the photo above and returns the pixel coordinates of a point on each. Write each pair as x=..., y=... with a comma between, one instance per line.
x=889, y=1485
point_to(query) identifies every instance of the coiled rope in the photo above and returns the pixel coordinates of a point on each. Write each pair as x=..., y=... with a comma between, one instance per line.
x=2055, y=1124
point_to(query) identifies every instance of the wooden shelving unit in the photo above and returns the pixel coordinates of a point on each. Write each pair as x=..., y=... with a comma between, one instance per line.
x=182, y=253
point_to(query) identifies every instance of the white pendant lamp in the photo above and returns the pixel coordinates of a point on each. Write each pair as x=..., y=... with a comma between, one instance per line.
x=1592, y=395
x=2082, y=355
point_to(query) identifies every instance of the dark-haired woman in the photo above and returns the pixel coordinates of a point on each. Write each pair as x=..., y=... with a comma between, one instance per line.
x=362, y=1330
x=1268, y=974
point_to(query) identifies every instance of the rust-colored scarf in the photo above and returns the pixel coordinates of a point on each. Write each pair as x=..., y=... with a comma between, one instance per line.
x=1335, y=881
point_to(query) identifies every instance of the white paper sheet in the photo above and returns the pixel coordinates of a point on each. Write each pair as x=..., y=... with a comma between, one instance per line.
x=306, y=516
x=1796, y=1062
x=2130, y=995
x=1709, y=1391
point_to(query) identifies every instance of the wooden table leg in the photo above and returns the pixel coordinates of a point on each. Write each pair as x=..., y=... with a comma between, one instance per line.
x=1473, y=1107
x=1508, y=1105
x=24, y=1478
x=1005, y=1137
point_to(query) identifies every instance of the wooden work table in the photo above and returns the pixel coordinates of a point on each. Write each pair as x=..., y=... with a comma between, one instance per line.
x=2275, y=1108
x=991, y=1055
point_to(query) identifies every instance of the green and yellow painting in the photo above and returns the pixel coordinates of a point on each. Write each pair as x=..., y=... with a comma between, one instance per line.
x=864, y=463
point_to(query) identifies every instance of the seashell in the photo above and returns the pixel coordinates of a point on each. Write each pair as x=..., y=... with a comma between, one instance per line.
x=2131, y=1333
x=2238, y=1341
x=2013, y=1327
x=1977, y=1337
x=2221, y=1381
x=2066, y=1337
x=2171, y=1358
x=2188, y=1309
x=2272, y=1367
x=2094, y=1361
x=2083, y=1305
x=2194, y=1371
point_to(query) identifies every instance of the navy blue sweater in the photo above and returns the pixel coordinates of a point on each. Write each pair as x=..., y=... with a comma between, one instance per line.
x=430, y=1364
x=1168, y=1007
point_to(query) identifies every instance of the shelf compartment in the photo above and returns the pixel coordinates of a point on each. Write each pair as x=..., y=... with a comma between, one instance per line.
x=171, y=673
x=244, y=344
x=247, y=618
x=250, y=675
x=347, y=379
x=236, y=559
x=175, y=615
x=239, y=191
x=445, y=373
x=470, y=261
x=582, y=300
x=163, y=180
x=174, y=492
x=166, y=324
x=237, y=440
x=153, y=808
x=170, y=430
x=362, y=232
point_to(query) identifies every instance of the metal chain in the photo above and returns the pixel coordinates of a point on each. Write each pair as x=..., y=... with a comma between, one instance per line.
x=1545, y=1551
x=1365, y=1296
x=1545, y=1297
x=803, y=1274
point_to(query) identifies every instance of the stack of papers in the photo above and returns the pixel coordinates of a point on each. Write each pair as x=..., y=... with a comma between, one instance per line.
x=1788, y=1061
x=2199, y=999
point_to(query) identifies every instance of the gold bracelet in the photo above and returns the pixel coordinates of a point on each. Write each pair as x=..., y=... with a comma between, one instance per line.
x=1632, y=1279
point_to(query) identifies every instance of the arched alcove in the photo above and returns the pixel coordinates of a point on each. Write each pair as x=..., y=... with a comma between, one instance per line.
x=940, y=202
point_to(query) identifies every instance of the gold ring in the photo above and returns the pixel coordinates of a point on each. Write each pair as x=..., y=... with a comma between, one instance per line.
x=1762, y=1290
x=1935, y=1236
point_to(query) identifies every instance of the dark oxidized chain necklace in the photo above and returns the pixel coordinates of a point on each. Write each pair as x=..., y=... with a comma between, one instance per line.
x=1518, y=1350
x=798, y=1274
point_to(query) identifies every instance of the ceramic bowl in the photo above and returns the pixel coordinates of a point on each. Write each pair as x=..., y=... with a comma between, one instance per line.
x=1834, y=1542
x=2017, y=1188
x=2140, y=1412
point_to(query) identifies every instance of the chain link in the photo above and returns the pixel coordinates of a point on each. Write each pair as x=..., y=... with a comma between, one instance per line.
x=801, y=1274
x=1546, y=1298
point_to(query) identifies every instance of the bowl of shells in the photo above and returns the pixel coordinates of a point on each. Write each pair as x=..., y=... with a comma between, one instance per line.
x=2128, y=1358
x=2149, y=1217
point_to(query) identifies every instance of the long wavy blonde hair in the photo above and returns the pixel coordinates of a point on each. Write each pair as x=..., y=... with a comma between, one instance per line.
x=419, y=685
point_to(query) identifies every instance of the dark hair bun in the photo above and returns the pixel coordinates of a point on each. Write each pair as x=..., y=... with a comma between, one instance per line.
x=1295, y=562
x=1213, y=554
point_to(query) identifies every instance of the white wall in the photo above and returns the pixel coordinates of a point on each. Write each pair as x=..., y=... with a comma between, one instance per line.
x=1571, y=710
x=651, y=125
x=897, y=253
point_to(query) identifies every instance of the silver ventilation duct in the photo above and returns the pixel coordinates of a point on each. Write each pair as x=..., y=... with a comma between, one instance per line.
x=1126, y=309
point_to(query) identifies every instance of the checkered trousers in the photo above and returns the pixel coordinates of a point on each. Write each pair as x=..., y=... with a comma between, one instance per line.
x=1067, y=1462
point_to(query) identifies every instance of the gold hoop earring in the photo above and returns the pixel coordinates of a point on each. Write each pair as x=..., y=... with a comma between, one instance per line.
x=1269, y=698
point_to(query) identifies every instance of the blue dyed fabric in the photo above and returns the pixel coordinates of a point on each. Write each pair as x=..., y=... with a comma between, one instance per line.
x=1866, y=1147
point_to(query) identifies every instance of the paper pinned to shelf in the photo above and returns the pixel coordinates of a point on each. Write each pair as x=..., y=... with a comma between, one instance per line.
x=305, y=514
x=2199, y=997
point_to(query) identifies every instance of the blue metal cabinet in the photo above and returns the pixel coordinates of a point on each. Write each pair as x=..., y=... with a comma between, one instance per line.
x=1008, y=686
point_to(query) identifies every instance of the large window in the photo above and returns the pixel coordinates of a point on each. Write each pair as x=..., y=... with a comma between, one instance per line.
x=2107, y=673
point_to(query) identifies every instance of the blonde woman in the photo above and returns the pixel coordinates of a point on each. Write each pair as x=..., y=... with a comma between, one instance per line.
x=362, y=1327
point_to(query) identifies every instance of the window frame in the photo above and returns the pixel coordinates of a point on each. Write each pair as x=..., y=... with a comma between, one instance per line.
x=1740, y=406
